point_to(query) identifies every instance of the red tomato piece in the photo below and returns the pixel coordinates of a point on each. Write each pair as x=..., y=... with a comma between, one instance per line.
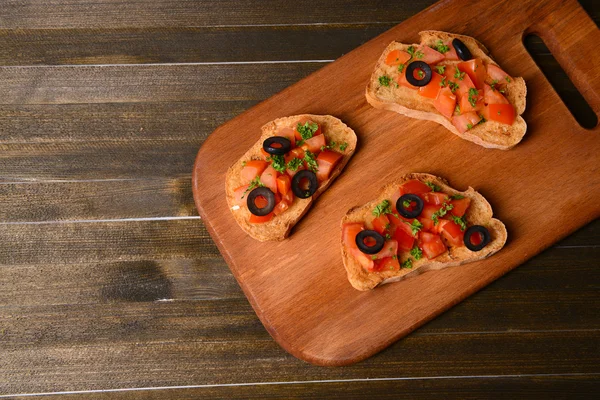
x=269, y=178
x=414, y=186
x=239, y=198
x=390, y=249
x=397, y=57
x=465, y=121
x=364, y=260
x=463, y=84
x=432, y=89
x=503, y=113
x=406, y=241
x=381, y=224
x=427, y=224
x=349, y=232
x=476, y=71
x=292, y=173
x=387, y=264
x=402, y=80
x=327, y=160
x=445, y=102
x=435, y=198
x=450, y=231
x=430, y=56
x=303, y=122
x=394, y=200
x=252, y=169
x=255, y=219
x=476, y=238
x=284, y=184
x=466, y=106
x=492, y=96
x=288, y=133
x=450, y=55
x=431, y=244
x=460, y=206
x=314, y=144
x=497, y=74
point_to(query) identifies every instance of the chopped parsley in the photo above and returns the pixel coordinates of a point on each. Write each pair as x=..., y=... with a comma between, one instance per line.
x=441, y=212
x=374, y=257
x=388, y=236
x=440, y=69
x=343, y=146
x=421, y=74
x=482, y=120
x=294, y=164
x=401, y=67
x=507, y=79
x=416, y=253
x=254, y=183
x=498, y=112
x=382, y=208
x=458, y=74
x=415, y=226
x=473, y=93
x=406, y=203
x=444, y=82
x=244, y=163
x=457, y=109
x=469, y=126
x=307, y=130
x=441, y=47
x=411, y=50
x=460, y=221
x=328, y=146
x=394, y=257
x=433, y=186
x=385, y=80
x=457, y=197
x=453, y=86
x=277, y=162
x=494, y=83
x=311, y=161
x=419, y=54
x=407, y=264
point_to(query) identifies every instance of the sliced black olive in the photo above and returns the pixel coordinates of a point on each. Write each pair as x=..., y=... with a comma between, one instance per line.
x=485, y=237
x=267, y=194
x=462, y=50
x=415, y=212
x=312, y=184
x=422, y=66
x=277, y=145
x=375, y=236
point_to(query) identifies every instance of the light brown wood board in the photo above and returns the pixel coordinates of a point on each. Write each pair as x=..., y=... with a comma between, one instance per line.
x=545, y=188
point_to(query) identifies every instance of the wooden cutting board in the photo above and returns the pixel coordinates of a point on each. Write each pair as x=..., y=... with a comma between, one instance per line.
x=543, y=189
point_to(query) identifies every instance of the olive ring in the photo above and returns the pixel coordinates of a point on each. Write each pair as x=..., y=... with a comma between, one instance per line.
x=473, y=230
x=312, y=184
x=418, y=65
x=267, y=194
x=414, y=213
x=376, y=247
x=284, y=145
x=462, y=51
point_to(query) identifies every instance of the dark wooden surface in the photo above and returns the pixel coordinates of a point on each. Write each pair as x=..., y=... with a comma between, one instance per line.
x=108, y=279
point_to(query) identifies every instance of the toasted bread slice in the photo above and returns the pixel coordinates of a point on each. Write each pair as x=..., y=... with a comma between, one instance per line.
x=280, y=226
x=405, y=101
x=478, y=213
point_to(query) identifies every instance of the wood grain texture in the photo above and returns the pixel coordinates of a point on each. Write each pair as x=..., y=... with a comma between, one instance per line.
x=280, y=295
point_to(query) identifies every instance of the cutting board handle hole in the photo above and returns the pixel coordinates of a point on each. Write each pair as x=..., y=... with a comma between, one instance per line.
x=571, y=97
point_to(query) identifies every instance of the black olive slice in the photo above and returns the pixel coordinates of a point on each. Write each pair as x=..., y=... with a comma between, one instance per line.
x=277, y=145
x=267, y=194
x=415, y=212
x=368, y=234
x=312, y=184
x=462, y=51
x=485, y=234
x=418, y=65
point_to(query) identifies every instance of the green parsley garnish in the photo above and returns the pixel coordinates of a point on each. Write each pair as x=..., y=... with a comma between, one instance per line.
x=493, y=85
x=482, y=120
x=444, y=82
x=460, y=221
x=382, y=208
x=307, y=130
x=328, y=146
x=384, y=80
x=401, y=67
x=433, y=186
x=411, y=50
x=343, y=146
x=419, y=54
x=277, y=162
x=453, y=86
x=473, y=93
x=457, y=109
x=244, y=163
x=406, y=203
x=457, y=197
x=311, y=161
x=498, y=112
x=294, y=164
x=254, y=183
x=441, y=47
x=407, y=264
x=394, y=257
x=388, y=236
x=374, y=257
x=440, y=69
x=416, y=253
x=469, y=126
x=507, y=79
x=415, y=226
x=421, y=74
x=441, y=212
x=459, y=75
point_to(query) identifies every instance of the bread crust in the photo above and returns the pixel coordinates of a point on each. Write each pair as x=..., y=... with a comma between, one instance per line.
x=478, y=213
x=407, y=102
x=280, y=226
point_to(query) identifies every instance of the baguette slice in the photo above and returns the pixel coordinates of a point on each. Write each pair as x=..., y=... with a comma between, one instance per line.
x=478, y=213
x=405, y=101
x=280, y=226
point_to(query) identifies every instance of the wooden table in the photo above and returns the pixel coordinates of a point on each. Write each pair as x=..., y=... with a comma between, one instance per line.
x=110, y=286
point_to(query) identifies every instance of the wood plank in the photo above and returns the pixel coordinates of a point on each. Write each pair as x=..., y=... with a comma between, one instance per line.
x=105, y=14
x=496, y=387
x=103, y=365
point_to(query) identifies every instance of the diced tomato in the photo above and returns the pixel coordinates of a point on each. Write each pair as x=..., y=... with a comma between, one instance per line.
x=327, y=160
x=466, y=106
x=476, y=71
x=401, y=224
x=406, y=241
x=432, y=89
x=503, y=113
x=387, y=264
x=292, y=173
x=445, y=102
x=314, y=144
x=431, y=244
x=390, y=249
x=465, y=121
x=281, y=207
x=397, y=57
x=303, y=122
x=284, y=184
x=427, y=224
x=263, y=154
x=492, y=96
x=464, y=84
x=425, y=217
x=460, y=206
x=252, y=169
x=381, y=224
x=451, y=54
x=289, y=134
x=430, y=56
x=497, y=74
x=394, y=200
x=255, y=219
x=269, y=178
x=402, y=80
x=364, y=260
x=414, y=186
x=297, y=152
x=239, y=198
x=450, y=231
x=435, y=198
x=349, y=232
